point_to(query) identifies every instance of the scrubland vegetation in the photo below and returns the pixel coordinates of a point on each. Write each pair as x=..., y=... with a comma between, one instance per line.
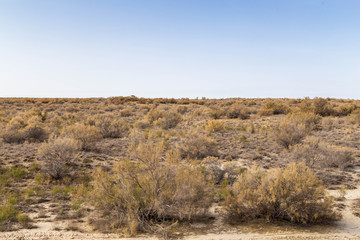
x=133, y=165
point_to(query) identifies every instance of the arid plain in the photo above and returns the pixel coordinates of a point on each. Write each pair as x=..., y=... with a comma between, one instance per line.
x=105, y=168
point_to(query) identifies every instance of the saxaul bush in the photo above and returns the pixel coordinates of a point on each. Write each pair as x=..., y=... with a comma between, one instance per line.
x=87, y=135
x=273, y=108
x=109, y=126
x=196, y=145
x=22, y=128
x=151, y=189
x=317, y=153
x=169, y=119
x=236, y=110
x=56, y=154
x=295, y=127
x=292, y=194
x=215, y=126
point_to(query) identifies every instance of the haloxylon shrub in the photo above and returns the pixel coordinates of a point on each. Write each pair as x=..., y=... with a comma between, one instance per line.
x=87, y=135
x=19, y=130
x=317, y=153
x=57, y=154
x=198, y=146
x=149, y=190
x=291, y=194
x=295, y=128
x=110, y=127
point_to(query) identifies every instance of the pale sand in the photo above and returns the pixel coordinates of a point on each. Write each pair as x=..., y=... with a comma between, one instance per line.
x=347, y=228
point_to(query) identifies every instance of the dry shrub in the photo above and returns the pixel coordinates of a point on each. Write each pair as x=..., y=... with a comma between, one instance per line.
x=231, y=171
x=182, y=109
x=153, y=115
x=288, y=134
x=57, y=154
x=142, y=124
x=163, y=119
x=316, y=153
x=21, y=129
x=151, y=190
x=215, y=126
x=168, y=120
x=319, y=106
x=125, y=112
x=13, y=131
x=322, y=107
x=216, y=113
x=291, y=194
x=295, y=128
x=198, y=146
x=110, y=127
x=87, y=135
x=355, y=117
x=310, y=120
x=345, y=110
x=212, y=169
x=237, y=111
x=273, y=108
x=34, y=132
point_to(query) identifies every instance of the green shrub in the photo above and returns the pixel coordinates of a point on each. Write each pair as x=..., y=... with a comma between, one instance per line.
x=291, y=194
x=23, y=219
x=18, y=172
x=12, y=174
x=8, y=213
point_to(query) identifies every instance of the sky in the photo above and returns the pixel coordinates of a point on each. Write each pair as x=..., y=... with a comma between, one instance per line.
x=180, y=48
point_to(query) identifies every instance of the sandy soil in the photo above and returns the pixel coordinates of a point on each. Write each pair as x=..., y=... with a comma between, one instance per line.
x=347, y=228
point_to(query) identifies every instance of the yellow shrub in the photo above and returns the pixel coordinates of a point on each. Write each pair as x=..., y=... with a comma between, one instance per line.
x=197, y=146
x=273, y=108
x=168, y=120
x=291, y=194
x=109, y=126
x=142, y=193
x=21, y=129
x=215, y=126
x=87, y=135
x=322, y=107
x=237, y=111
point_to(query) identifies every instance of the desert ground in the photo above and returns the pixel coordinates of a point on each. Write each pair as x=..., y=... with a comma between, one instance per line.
x=136, y=168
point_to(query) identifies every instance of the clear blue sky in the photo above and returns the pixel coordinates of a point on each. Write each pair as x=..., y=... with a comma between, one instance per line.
x=180, y=48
